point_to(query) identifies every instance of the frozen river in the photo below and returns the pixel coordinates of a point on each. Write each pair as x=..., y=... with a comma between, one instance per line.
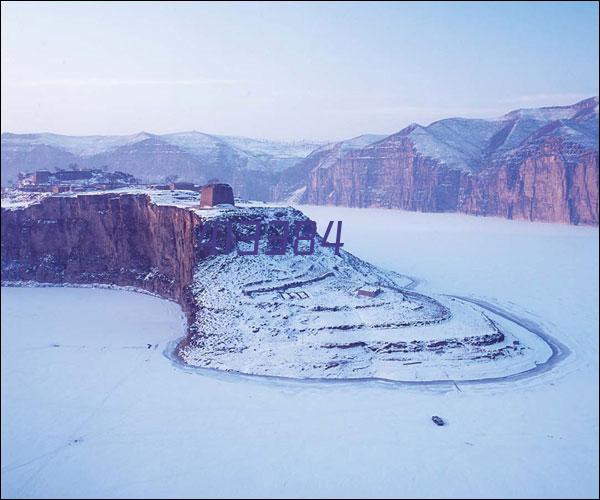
x=92, y=407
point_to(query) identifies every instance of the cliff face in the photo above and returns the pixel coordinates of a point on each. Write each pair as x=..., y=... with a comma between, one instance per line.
x=534, y=164
x=292, y=181
x=395, y=177
x=550, y=180
x=114, y=239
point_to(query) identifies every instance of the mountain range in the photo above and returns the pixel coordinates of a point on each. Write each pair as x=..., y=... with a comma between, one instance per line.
x=250, y=165
x=533, y=164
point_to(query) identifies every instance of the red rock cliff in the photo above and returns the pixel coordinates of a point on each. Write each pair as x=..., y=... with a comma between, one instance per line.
x=114, y=239
x=550, y=181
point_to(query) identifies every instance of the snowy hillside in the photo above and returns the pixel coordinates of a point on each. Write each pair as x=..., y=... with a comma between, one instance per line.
x=76, y=145
x=105, y=414
x=328, y=154
x=301, y=317
x=467, y=143
x=269, y=148
x=190, y=156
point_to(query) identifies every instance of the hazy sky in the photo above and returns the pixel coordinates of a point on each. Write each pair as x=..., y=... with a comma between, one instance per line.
x=313, y=71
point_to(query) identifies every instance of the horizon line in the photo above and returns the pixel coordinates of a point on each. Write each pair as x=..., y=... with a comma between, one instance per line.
x=297, y=139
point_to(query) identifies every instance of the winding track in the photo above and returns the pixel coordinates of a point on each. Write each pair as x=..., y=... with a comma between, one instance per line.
x=559, y=350
x=559, y=353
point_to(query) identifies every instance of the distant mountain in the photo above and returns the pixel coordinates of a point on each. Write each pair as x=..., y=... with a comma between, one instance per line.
x=278, y=154
x=292, y=181
x=250, y=165
x=469, y=144
x=534, y=164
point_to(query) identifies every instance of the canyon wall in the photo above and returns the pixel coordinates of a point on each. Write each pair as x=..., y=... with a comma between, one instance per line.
x=115, y=239
x=538, y=164
x=548, y=181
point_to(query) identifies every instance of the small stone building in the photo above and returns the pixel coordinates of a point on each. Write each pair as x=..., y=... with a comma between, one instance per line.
x=216, y=194
x=369, y=291
x=189, y=186
x=41, y=177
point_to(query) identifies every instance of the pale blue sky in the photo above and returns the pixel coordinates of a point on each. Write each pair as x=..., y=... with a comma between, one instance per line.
x=304, y=70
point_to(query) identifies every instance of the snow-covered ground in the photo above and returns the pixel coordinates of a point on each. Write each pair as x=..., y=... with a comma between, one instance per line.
x=92, y=407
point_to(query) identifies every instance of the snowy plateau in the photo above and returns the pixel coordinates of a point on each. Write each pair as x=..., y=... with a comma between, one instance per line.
x=297, y=386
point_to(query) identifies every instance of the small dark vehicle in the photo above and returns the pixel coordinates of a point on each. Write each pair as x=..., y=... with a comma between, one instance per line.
x=438, y=420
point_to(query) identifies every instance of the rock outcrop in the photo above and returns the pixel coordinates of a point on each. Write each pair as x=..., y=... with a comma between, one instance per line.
x=545, y=184
x=537, y=165
x=114, y=239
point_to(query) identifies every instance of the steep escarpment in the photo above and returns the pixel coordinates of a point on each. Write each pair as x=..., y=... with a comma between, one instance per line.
x=395, y=177
x=538, y=165
x=120, y=239
x=292, y=181
x=551, y=181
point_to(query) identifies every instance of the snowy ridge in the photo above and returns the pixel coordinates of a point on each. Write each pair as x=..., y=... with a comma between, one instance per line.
x=78, y=145
x=551, y=113
x=257, y=153
x=466, y=144
x=330, y=153
x=266, y=147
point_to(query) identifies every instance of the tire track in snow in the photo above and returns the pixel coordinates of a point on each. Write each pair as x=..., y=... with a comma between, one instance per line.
x=559, y=350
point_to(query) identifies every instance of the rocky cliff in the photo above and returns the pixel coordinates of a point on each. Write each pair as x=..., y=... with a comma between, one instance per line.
x=535, y=164
x=114, y=239
x=545, y=184
x=539, y=165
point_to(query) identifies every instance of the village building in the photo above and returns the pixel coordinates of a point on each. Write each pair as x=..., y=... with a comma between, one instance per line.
x=73, y=180
x=216, y=194
x=368, y=291
x=189, y=186
x=41, y=176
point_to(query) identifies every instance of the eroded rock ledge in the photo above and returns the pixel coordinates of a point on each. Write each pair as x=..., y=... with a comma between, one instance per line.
x=118, y=239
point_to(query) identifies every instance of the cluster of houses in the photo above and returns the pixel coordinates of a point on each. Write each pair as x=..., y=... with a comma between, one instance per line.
x=73, y=180
x=211, y=194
